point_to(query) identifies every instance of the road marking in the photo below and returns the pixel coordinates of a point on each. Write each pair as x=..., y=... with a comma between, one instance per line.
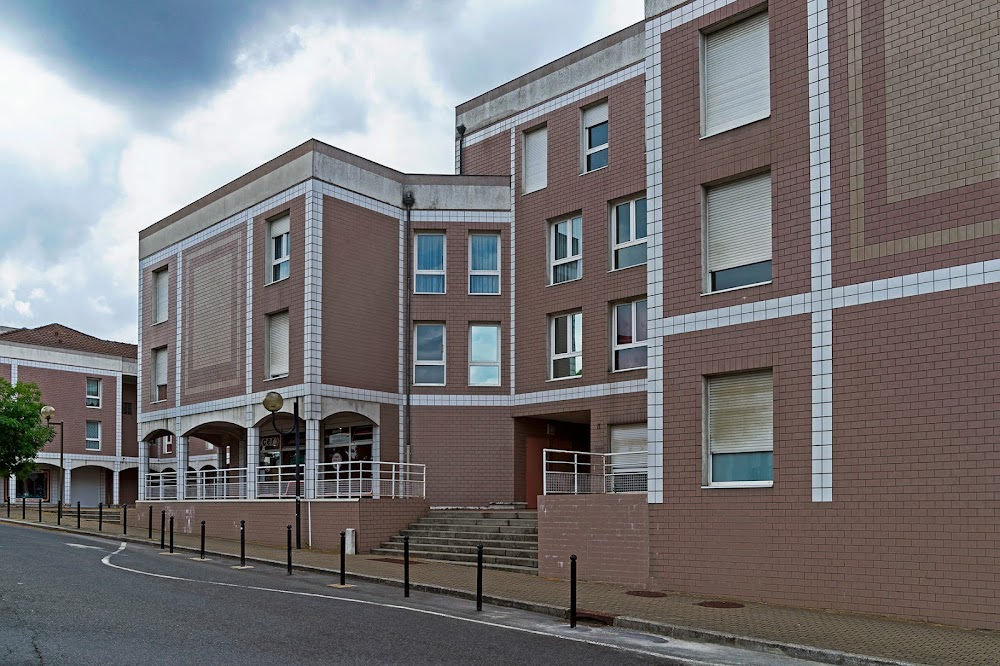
x=107, y=561
x=80, y=545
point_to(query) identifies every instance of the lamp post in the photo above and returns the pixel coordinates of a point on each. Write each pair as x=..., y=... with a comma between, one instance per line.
x=273, y=402
x=48, y=412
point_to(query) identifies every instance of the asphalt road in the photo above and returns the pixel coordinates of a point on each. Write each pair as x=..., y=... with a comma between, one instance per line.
x=72, y=599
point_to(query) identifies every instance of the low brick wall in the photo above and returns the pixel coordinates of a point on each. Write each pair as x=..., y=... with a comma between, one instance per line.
x=322, y=520
x=609, y=534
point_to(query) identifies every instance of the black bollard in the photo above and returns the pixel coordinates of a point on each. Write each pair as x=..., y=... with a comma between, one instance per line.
x=150, y=523
x=24, y=508
x=406, y=566
x=77, y=515
x=59, y=513
x=289, y=550
x=243, y=543
x=171, y=535
x=39, y=509
x=163, y=527
x=8, y=507
x=100, y=516
x=479, y=577
x=343, y=558
x=572, y=590
x=298, y=525
x=203, y=539
x=124, y=518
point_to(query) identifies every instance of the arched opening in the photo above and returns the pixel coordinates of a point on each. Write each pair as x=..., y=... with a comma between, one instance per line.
x=282, y=459
x=217, y=453
x=90, y=485
x=42, y=484
x=348, y=457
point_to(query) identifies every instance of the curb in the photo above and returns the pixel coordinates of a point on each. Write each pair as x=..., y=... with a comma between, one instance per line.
x=823, y=655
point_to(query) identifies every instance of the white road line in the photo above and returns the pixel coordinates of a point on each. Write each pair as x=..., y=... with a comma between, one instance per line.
x=107, y=560
x=80, y=545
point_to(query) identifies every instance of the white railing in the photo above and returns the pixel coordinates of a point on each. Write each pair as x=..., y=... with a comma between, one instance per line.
x=216, y=484
x=279, y=481
x=371, y=479
x=161, y=486
x=581, y=473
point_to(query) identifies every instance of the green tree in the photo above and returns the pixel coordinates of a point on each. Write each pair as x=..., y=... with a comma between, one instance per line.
x=22, y=431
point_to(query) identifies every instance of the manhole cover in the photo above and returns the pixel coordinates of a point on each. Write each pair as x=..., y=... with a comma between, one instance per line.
x=646, y=593
x=719, y=604
x=393, y=560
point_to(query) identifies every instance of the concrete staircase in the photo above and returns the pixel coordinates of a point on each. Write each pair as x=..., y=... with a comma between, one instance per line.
x=509, y=538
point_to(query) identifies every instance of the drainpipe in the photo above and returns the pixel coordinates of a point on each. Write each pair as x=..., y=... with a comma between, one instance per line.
x=408, y=202
x=461, y=146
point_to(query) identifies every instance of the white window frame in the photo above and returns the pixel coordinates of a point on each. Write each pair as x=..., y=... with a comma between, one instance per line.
x=706, y=37
x=161, y=306
x=553, y=356
x=90, y=396
x=615, y=244
x=569, y=258
x=168, y=445
x=267, y=346
x=541, y=180
x=707, y=260
x=488, y=364
x=615, y=347
x=707, y=452
x=586, y=151
x=490, y=273
x=275, y=261
x=154, y=398
x=444, y=354
x=88, y=440
x=431, y=272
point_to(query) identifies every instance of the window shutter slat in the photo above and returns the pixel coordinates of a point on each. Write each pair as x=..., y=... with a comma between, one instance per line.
x=536, y=155
x=741, y=412
x=160, y=296
x=629, y=438
x=739, y=223
x=160, y=366
x=278, y=344
x=279, y=227
x=737, y=75
x=595, y=115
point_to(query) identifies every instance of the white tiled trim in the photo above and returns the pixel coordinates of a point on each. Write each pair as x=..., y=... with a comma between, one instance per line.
x=13, y=370
x=14, y=363
x=512, y=325
x=248, y=314
x=177, y=337
x=465, y=216
x=313, y=259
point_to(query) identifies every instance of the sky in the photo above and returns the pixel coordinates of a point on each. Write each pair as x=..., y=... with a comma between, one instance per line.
x=116, y=113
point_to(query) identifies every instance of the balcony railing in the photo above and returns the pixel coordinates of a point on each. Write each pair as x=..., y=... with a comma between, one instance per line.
x=217, y=484
x=279, y=481
x=161, y=486
x=582, y=473
x=371, y=479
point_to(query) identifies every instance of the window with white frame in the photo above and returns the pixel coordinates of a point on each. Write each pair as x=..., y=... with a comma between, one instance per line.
x=161, y=306
x=484, y=263
x=566, y=250
x=168, y=445
x=738, y=233
x=629, y=342
x=629, y=449
x=430, y=264
x=159, y=375
x=536, y=160
x=740, y=429
x=93, y=436
x=428, y=357
x=736, y=75
x=93, y=392
x=279, y=250
x=595, y=137
x=277, y=345
x=566, y=345
x=484, y=355
x=628, y=233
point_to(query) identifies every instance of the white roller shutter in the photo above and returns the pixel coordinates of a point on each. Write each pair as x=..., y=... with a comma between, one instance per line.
x=278, y=344
x=741, y=412
x=737, y=75
x=279, y=227
x=739, y=223
x=536, y=159
x=159, y=370
x=629, y=438
x=595, y=115
x=160, y=295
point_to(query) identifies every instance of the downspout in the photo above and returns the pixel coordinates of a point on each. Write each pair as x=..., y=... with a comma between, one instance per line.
x=461, y=146
x=408, y=201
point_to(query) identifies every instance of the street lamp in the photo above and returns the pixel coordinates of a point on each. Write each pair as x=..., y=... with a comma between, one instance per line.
x=48, y=412
x=273, y=402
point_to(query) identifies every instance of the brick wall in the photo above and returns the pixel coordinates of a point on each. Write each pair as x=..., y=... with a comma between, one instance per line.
x=154, y=336
x=66, y=391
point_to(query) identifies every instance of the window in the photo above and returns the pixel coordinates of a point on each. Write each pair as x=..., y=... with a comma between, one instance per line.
x=628, y=229
x=93, y=392
x=93, y=436
x=127, y=408
x=484, y=355
x=279, y=250
x=428, y=359
x=159, y=375
x=629, y=448
x=566, y=345
x=484, y=263
x=168, y=445
x=277, y=345
x=740, y=429
x=595, y=137
x=160, y=295
x=536, y=160
x=430, y=264
x=566, y=250
x=736, y=75
x=738, y=220
x=629, y=344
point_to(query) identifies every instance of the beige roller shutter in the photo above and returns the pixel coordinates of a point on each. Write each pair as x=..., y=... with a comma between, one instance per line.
x=160, y=284
x=739, y=222
x=595, y=115
x=159, y=368
x=737, y=75
x=279, y=226
x=629, y=438
x=536, y=159
x=278, y=344
x=741, y=412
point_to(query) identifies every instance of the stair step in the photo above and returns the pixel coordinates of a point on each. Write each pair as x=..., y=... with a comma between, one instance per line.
x=459, y=557
x=487, y=550
x=471, y=513
x=473, y=537
x=445, y=540
x=485, y=522
x=478, y=529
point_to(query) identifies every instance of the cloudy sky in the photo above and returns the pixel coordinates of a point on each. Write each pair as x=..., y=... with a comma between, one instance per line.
x=116, y=113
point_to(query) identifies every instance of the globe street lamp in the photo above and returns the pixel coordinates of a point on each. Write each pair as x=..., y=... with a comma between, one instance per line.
x=273, y=402
x=48, y=412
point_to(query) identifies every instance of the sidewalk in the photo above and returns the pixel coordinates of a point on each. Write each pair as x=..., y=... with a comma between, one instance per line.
x=823, y=636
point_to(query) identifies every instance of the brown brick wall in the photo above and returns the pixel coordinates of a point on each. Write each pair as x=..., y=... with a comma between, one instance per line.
x=489, y=157
x=5, y=371
x=130, y=445
x=159, y=335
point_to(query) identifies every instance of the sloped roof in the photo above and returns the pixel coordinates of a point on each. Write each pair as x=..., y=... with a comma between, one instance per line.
x=64, y=337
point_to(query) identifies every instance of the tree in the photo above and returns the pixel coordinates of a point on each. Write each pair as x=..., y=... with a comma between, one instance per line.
x=22, y=431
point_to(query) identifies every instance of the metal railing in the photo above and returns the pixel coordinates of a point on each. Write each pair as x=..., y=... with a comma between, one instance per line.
x=278, y=481
x=161, y=486
x=371, y=479
x=582, y=473
x=217, y=484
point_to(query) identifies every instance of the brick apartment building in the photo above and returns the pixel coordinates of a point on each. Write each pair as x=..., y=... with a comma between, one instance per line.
x=736, y=264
